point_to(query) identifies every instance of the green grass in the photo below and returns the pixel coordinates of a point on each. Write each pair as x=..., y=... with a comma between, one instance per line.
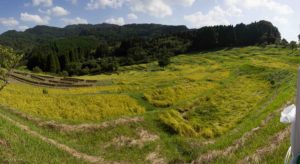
x=19, y=147
x=211, y=96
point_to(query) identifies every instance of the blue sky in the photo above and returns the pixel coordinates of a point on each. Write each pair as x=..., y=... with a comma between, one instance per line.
x=23, y=14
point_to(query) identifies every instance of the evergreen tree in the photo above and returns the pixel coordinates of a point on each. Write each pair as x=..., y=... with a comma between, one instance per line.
x=102, y=51
x=284, y=42
x=51, y=63
x=293, y=45
x=164, y=58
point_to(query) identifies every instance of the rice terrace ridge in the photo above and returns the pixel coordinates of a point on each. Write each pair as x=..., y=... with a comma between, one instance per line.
x=132, y=90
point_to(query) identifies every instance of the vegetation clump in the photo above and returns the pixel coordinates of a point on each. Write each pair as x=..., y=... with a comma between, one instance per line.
x=45, y=91
x=36, y=70
x=9, y=59
x=173, y=120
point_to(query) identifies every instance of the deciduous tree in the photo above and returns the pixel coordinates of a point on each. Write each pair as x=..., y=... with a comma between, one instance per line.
x=9, y=59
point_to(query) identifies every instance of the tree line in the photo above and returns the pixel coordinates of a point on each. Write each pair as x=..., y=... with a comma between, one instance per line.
x=89, y=55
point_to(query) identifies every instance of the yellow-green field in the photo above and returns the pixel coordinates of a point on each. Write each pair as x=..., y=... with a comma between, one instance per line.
x=214, y=96
x=77, y=105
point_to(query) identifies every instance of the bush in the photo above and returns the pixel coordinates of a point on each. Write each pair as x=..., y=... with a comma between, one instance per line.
x=264, y=44
x=164, y=61
x=293, y=45
x=64, y=73
x=37, y=70
x=85, y=71
x=45, y=91
x=74, y=68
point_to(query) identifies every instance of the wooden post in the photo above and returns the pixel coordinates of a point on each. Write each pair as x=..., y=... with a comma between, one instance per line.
x=296, y=126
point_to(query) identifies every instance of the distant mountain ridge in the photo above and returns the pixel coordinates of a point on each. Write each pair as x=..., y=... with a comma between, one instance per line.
x=106, y=32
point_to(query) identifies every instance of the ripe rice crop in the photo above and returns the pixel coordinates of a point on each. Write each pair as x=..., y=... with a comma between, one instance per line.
x=59, y=106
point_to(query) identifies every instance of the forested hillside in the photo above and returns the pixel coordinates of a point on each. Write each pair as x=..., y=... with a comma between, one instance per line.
x=102, y=32
x=93, y=49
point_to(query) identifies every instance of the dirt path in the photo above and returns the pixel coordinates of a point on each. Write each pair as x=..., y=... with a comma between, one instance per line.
x=71, y=151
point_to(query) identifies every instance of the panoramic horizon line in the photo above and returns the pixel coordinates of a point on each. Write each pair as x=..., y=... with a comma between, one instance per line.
x=151, y=23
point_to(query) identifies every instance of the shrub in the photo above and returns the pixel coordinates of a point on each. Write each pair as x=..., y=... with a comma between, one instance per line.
x=37, y=70
x=45, y=91
x=64, y=73
x=85, y=71
x=264, y=44
x=164, y=61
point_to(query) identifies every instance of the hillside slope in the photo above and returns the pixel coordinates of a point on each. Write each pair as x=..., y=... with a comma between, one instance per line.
x=214, y=107
x=94, y=49
x=101, y=32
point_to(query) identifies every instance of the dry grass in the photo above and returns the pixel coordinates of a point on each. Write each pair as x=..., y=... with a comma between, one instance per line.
x=268, y=149
x=156, y=157
x=143, y=137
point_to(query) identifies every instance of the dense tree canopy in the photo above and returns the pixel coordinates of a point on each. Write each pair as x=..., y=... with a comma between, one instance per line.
x=82, y=49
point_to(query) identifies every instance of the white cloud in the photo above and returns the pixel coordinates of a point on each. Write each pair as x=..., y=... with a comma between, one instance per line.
x=96, y=4
x=216, y=16
x=34, y=18
x=233, y=11
x=76, y=20
x=10, y=22
x=280, y=20
x=118, y=21
x=43, y=11
x=271, y=5
x=23, y=28
x=45, y=3
x=57, y=11
x=132, y=16
x=185, y=2
x=156, y=8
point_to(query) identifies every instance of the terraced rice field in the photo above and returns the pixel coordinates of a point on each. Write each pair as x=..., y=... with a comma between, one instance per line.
x=213, y=107
x=50, y=81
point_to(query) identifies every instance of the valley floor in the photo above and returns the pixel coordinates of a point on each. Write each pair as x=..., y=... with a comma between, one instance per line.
x=212, y=107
